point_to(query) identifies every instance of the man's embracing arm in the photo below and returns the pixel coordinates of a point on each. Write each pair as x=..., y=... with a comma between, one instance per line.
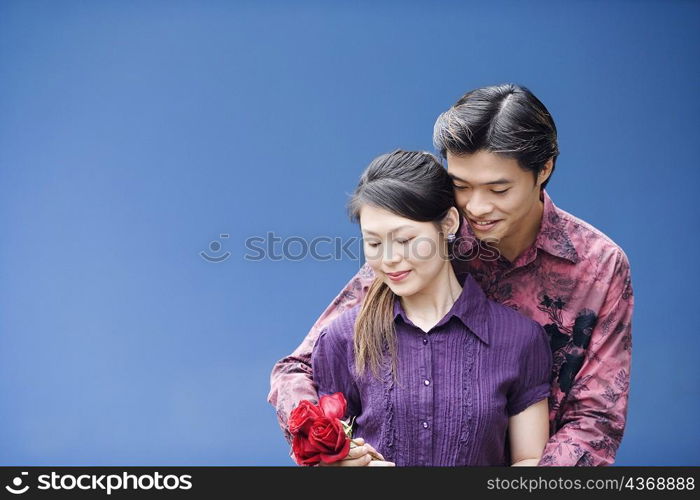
x=591, y=420
x=291, y=379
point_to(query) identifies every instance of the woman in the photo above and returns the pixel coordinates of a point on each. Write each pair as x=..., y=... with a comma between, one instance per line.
x=434, y=372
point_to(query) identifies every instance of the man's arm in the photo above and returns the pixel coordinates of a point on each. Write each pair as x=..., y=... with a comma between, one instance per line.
x=592, y=417
x=291, y=379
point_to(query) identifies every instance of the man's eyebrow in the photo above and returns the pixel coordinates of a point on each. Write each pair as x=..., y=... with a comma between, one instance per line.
x=392, y=231
x=497, y=181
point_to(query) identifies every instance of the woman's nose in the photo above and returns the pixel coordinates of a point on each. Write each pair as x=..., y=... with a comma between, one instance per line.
x=392, y=252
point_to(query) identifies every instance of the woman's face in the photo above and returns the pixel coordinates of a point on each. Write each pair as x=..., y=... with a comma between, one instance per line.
x=406, y=254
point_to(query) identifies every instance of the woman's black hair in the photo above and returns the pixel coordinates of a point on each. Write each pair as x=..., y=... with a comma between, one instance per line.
x=411, y=184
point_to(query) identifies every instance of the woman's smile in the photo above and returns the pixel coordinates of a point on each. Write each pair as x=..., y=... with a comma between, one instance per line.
x=398, y=276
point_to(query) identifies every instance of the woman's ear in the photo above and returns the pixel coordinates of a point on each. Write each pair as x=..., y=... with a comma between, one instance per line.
x=450, y=223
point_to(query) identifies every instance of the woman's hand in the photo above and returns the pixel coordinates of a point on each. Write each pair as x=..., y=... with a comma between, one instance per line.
x=360, y=456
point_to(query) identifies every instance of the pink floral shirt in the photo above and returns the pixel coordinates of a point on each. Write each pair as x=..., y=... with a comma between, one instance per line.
x=575, y=282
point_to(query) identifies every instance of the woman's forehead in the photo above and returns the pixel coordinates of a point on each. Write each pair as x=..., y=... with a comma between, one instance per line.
x=379, y=221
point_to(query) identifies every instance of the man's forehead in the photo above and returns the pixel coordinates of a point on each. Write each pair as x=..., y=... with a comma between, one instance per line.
x=483, y=169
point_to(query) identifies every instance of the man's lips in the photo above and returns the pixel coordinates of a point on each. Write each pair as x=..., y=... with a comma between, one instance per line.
x=483, y=225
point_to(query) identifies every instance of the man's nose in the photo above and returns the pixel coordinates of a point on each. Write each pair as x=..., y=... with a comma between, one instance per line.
x=478, y=207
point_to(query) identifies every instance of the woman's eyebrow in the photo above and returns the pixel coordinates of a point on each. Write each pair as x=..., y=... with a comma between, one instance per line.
x=392, y=231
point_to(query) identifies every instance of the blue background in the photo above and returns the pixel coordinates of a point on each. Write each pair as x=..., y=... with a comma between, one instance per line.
x=133, y=134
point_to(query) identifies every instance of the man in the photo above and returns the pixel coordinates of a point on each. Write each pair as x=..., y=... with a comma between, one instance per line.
x=500, y=144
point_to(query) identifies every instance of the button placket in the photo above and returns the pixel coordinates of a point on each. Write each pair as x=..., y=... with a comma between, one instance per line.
x=426, y=403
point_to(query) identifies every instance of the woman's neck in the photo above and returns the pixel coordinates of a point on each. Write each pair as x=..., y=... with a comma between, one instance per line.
x=427, y=307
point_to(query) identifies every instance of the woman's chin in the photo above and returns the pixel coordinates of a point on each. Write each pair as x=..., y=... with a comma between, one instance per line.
x=402, y=289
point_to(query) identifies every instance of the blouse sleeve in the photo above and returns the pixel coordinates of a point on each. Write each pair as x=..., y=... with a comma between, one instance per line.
x=331, y=359
x=533, y=383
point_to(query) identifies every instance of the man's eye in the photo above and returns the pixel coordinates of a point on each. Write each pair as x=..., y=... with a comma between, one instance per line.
x=373, y=245
x=501, y=192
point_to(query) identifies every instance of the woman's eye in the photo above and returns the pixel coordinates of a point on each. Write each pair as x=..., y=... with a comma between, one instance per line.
x=461, y=188
x=402, y=242
x=373, y=245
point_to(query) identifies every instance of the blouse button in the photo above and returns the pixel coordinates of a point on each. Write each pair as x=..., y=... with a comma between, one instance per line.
x=425, y=425
x=425, y=341
x=426, y=382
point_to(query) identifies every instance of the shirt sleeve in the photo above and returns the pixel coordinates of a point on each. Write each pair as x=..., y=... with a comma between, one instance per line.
x=331, y=362
x=533, y=383
x=592, y=418
x=291, y=379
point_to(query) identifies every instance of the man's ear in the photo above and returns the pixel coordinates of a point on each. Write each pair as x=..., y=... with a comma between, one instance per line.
x=545, y=172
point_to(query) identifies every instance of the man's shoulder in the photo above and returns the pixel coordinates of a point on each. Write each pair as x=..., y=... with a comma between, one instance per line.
x=590, y=243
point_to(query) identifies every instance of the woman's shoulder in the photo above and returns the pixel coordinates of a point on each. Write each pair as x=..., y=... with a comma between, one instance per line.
x=342, y=328
x=512, y=327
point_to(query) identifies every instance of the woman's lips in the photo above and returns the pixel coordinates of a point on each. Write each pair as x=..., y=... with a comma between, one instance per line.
x=398, y=276
x=483, y=228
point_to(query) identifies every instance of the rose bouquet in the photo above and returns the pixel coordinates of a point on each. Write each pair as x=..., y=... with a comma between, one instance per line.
x=319, y=434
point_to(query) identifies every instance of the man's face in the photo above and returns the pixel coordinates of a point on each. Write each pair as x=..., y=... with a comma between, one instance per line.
x=494, y=194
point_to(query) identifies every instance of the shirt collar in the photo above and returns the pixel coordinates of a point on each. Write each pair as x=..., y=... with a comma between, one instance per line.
x=470, y=308
x=553, y=236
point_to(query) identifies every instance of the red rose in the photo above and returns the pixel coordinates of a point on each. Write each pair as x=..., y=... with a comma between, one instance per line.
x=301, y=417
x=328, y=437
x=318, y=433
x=334, y=405
x=304, y=452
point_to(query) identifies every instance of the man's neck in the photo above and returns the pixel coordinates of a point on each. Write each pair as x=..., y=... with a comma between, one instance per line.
x=427, y=307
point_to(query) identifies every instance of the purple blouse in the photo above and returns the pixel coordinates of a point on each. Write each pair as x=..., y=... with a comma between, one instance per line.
x=456, y=387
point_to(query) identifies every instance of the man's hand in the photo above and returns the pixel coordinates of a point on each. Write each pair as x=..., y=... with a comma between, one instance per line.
x=360, y=456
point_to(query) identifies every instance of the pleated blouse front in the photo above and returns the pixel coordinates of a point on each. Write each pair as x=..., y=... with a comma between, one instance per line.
x=457, y=384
